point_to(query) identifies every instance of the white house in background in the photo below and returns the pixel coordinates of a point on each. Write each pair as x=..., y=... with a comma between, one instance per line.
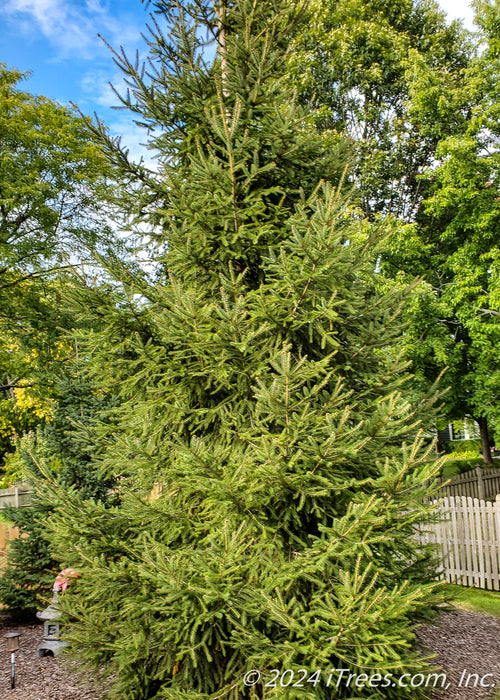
x=466, y=429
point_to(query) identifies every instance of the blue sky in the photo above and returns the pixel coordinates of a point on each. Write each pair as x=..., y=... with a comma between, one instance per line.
x=57, y=40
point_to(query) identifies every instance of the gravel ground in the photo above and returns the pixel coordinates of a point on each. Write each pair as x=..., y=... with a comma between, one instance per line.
x=44, y=678
x=462, y=641
x=465, y=641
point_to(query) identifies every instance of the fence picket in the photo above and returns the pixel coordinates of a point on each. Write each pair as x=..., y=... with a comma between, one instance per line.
x=455, y=572
x=480, y=523
x=467, y=534
x=7, y=533
x=491, y=548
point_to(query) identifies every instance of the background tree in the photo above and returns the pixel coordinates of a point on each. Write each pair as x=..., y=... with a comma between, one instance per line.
x=47, y=166
x=454, y=244
x=33, y=355
x=53, y=204
x=262, y=393
x=353, y=63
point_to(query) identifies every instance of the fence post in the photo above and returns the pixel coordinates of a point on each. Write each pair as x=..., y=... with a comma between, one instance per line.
x=480, y=484
x=497, y=513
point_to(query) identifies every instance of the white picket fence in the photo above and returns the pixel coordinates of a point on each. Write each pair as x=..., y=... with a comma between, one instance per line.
x=468, y=537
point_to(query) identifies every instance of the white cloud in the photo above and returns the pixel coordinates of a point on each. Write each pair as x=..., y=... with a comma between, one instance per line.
x=459, y=9
x=98, y=91
x=72, y=29
x=133, y=137
x=96, y=86
x=56, y=21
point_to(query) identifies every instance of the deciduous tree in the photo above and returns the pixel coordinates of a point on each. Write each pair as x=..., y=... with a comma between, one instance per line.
x=455, y=322
x=353, y=62
x=52, y=212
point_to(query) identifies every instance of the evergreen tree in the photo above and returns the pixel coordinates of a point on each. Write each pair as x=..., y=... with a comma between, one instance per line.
x=67, y=447
x=26, y=582
x=267, y=453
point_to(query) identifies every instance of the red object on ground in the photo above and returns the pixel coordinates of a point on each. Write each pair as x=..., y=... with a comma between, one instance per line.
x=63, y=579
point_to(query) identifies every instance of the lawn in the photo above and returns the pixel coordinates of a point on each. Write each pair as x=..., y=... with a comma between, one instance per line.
x=478, y=599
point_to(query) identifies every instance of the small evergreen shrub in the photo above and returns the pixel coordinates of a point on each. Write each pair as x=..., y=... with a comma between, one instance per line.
x=452, y=467
x=65, y=450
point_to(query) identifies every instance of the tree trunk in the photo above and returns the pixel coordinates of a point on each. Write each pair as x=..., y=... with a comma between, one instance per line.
x=221, y=16
x=10, y=388
x=485, y=440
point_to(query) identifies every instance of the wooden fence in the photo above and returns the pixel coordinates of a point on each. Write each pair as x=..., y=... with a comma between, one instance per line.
x=467, y=534
x=468, y=537
x=18, y=496
x=478, y=483
x=7, y=533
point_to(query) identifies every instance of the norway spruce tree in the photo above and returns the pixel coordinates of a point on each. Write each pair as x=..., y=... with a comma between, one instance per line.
x=268, y=454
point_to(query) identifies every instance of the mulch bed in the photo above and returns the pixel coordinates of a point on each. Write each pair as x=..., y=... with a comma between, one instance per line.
x=37, y=678
x=462, y=641
x=465, y=641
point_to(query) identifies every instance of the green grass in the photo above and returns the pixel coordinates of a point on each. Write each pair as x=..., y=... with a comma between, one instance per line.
x=477, y=599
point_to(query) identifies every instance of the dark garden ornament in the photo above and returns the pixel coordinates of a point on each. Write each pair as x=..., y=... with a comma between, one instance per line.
x=12, y=646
